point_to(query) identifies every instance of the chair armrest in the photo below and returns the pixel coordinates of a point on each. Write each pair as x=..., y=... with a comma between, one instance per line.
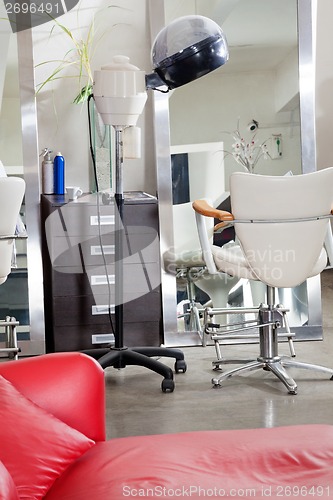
x=203, y=208
x=218, y=228
x=69, y=385
x=8, y=237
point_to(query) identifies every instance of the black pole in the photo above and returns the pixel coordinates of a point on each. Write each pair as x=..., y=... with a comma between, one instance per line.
x=119, y=229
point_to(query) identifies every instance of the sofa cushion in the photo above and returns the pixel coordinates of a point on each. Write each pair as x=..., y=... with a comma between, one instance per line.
x=36, y=447
x=254, y=463
x=7, y=487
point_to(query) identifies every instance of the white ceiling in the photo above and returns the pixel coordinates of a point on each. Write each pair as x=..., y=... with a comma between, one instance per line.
x=260, y=33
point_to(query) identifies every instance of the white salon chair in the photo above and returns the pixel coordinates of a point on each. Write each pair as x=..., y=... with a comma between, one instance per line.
x=185, y=261
x=281, y=225
x=11, y=195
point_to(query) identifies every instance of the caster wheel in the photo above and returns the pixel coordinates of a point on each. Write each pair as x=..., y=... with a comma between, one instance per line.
x=217, y=368
x=180, y=366
x=216, y=384
x=168, y=385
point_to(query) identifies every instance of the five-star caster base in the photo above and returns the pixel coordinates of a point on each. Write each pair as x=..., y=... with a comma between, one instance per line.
x=277, y=367
x=142, y=356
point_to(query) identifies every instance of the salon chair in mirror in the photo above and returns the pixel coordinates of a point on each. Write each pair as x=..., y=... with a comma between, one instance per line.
x=281, y=226
x=12, y=190
x=186, y=262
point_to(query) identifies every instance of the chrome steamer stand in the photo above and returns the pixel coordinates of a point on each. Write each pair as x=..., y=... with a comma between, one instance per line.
x=186, y=49
x=119, y=355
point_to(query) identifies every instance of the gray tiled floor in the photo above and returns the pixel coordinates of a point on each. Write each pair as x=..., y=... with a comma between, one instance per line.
x=136, y=405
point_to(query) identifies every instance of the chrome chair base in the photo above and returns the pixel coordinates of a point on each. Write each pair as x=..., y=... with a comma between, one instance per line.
x=269, y=359
x=193, y=310
x=221, y=334
x=11, y=348
x=277, y=367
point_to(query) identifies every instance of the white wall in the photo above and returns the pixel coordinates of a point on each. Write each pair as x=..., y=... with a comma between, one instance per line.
x=208, y=108
x=63, y=126
x=10, y=107
x=4, y=44
x=10, y=133
x=205, y=169
x=286, y=83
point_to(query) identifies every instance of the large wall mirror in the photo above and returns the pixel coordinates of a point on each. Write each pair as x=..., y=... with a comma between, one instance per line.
x=267, y=81
x=21, y=295
x=195, y=116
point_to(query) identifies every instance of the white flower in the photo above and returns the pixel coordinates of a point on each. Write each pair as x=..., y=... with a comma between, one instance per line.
x=247, y=152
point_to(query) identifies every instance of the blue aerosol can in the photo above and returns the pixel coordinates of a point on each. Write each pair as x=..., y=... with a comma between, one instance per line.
x=59, y=174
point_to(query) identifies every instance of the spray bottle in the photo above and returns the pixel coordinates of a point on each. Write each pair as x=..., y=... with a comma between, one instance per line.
x=47, y=172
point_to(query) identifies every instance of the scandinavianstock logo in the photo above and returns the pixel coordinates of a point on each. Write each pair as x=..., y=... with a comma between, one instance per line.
x=26, y=14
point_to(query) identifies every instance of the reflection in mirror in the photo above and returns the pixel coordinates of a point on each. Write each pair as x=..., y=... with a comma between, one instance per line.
x=257, y=93
x=19, y=153
x=188, y=183
x=10, y=111
x=259, y=83
x=14, y=292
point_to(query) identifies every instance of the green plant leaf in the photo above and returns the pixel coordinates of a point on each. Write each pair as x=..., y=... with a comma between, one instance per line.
x=79, y=56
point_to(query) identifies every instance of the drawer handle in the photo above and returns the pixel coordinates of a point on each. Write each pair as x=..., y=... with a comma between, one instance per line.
x=105, y=220
x=102, y=338
x=102, y=309
x=102, y=279
x=97, y=249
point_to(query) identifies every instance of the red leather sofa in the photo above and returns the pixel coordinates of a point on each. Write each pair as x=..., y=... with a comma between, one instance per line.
x=52, y=446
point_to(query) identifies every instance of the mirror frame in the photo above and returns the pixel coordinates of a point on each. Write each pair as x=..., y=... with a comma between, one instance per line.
x=36, y=344
x=306, y=10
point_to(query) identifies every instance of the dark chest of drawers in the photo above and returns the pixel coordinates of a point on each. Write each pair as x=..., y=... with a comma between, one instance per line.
x=79, y=271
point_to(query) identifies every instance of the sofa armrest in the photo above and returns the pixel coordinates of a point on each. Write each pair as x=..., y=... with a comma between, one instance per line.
x=69, y=385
